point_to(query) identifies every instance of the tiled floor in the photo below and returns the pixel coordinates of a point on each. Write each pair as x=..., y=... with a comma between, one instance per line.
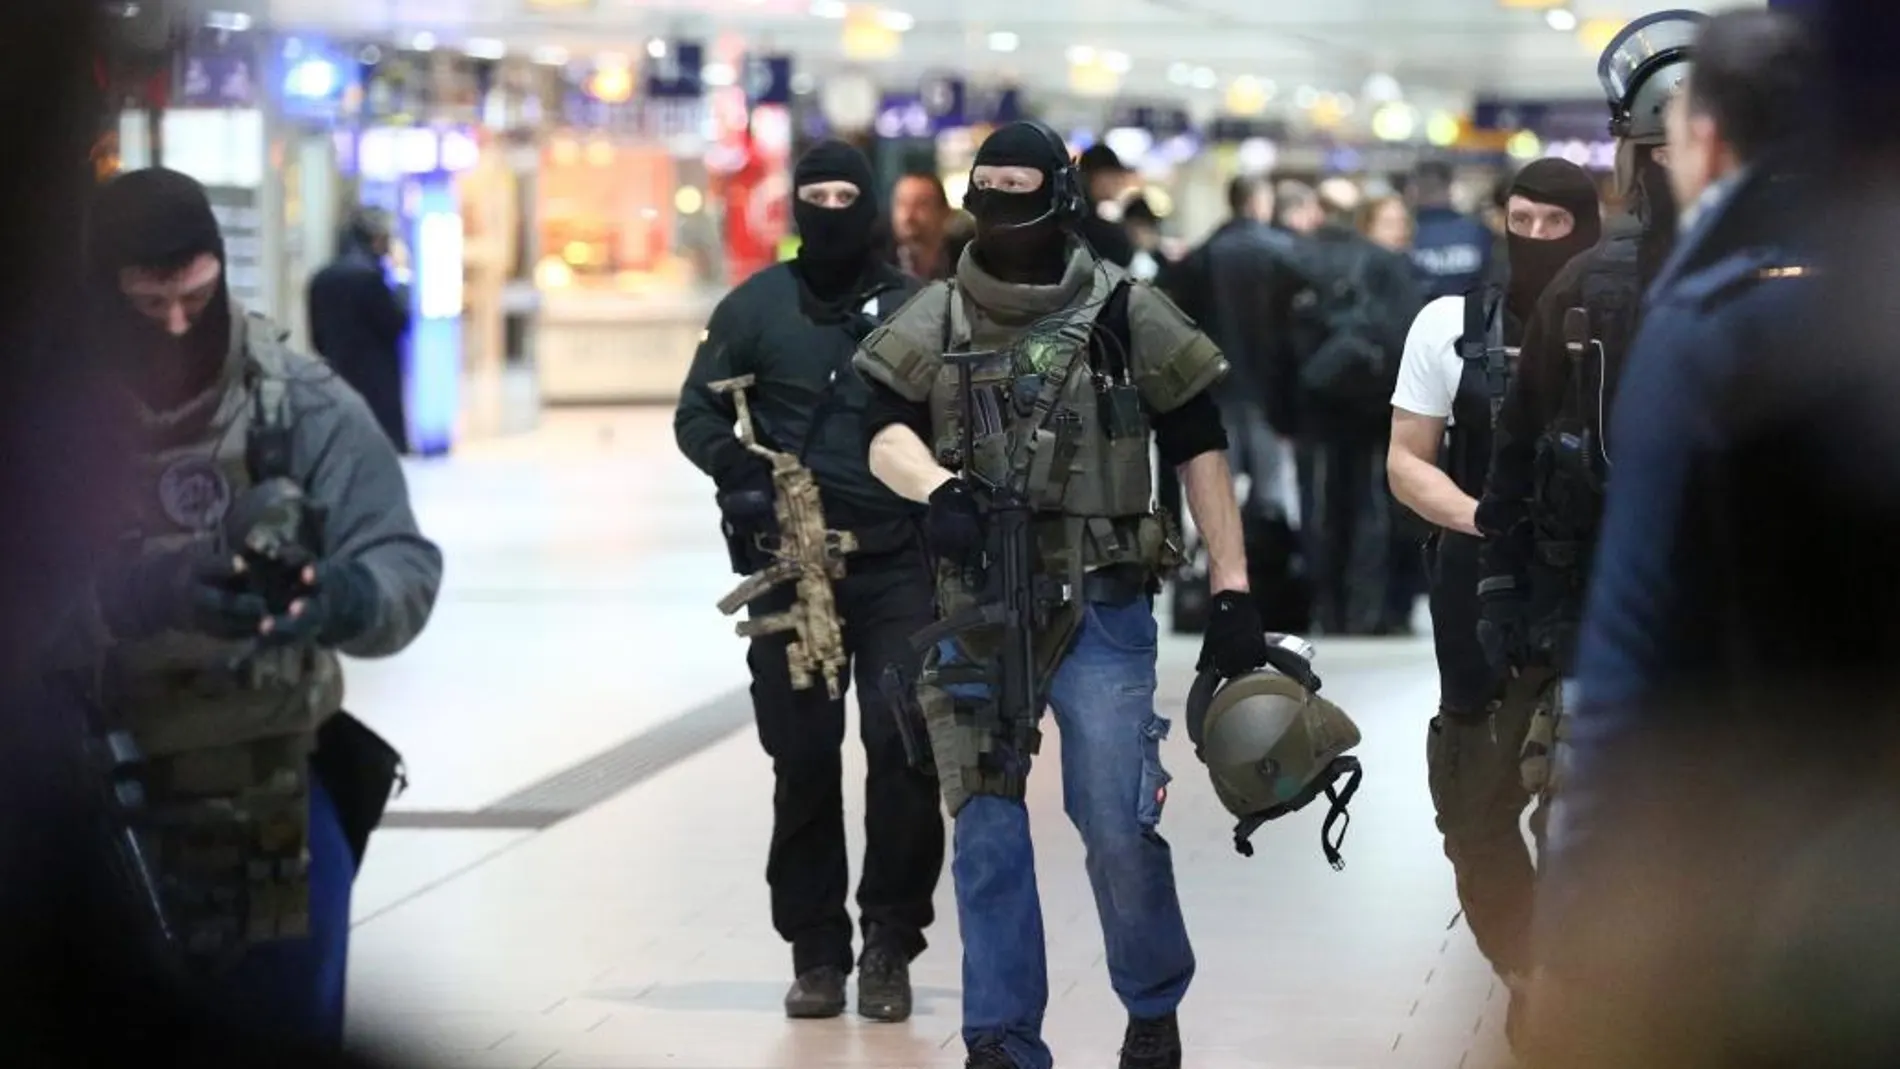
x=636, y=936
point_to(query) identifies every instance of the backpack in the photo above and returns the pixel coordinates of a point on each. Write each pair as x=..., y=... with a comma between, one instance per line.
x=1351, y=369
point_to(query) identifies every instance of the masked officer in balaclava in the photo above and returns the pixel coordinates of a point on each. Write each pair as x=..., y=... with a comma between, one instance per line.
x=1093, y=368
x=1456, y=366
x=274, y=534
x=793, y=327
x=1551, y=457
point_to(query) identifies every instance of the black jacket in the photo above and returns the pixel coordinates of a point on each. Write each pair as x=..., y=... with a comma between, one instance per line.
x=808, y=400
x=1238, y=286
x=1330, y=257
x=1539, y=530
x=357, y=323
x=1109, y=240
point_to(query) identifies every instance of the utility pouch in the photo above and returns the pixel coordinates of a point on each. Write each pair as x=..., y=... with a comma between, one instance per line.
x=362, y=772
x=1120, y=412
x=912, y=731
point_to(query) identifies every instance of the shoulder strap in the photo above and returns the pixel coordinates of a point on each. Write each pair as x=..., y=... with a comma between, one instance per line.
x=1110, y=355
x=956, y=319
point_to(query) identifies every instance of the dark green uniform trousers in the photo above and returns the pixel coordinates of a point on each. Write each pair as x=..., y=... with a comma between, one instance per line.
x=1479, y=795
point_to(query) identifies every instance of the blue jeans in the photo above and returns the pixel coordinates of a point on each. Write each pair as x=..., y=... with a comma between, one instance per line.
x=295, y=988
x=1113, y=789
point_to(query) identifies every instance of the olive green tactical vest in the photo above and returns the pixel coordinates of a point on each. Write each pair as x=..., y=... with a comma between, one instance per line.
x=1096, y=493
x=214, y=735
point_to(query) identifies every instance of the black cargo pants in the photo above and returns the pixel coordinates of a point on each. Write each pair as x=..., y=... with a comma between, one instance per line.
x=883, y=600
x=1478, y=793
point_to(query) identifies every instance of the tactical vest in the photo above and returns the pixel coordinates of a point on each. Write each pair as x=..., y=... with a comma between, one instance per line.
x=1573, y=460
x=1466, y=683
x=1058, y=398
x=225, y=737
x=1482, y=384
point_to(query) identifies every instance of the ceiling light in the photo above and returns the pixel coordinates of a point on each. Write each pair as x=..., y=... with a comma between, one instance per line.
x=1180, y=73
x=1561, y=19
x=656, y=48
x=228, y=21
x=484, y=48
x=1081, y=55
x=828, y=9
x=1117, y=62
x=1382, y=88
x=1204, y=78
x=423, y=42
x=1306, y=97
x=1005, y=42
x=718, y=75
x=550, y=55
x=896, y=21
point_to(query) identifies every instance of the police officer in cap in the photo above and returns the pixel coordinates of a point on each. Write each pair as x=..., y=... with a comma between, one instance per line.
x=1551, y=458
x=1456, y=367
x=273, y=535
x=793, y=327
x=1095, y=369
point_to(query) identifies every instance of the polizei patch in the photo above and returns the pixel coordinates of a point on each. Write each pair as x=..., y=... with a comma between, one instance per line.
x=195, y=494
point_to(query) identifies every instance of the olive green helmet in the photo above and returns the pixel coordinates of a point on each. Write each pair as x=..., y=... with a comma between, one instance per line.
x=1272, y=744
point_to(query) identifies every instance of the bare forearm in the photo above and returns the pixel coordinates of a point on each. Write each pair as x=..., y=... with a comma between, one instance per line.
x=1210, y=500
x=900, y=460
x=1427, y=490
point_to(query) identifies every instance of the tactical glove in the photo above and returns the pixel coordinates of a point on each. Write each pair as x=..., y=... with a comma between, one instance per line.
x=954, y=524
x=193, y=588
x=1503, y=623
x=746, y=515
x=338, y=607
x=1234, y=643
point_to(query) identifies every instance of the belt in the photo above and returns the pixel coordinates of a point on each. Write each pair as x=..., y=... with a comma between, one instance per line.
x=1117, y=584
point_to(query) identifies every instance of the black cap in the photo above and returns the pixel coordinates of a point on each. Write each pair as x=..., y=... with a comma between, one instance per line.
x=1100, y=159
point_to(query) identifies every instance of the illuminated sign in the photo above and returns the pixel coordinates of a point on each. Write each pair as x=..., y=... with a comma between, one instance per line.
x=432, y=369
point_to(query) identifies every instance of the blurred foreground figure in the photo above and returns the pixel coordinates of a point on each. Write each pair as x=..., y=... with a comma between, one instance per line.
x=84, y=984
x=1722, y=862
x=268, y=531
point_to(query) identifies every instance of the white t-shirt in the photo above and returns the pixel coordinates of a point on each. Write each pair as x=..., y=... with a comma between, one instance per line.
x=1431, y=367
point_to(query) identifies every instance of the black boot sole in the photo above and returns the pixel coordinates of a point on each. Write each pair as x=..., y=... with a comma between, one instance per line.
x=884, y=1012
x=819, y=1012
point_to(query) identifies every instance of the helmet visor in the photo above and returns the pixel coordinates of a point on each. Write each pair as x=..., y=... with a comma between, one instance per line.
x=1643, y=47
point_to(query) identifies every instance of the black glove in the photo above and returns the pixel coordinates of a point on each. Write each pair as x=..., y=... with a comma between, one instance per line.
x=1235, y=642
x=954, y=524
x=193, y=588
x=339, y=605
x=746, y=515
x=1503, y=623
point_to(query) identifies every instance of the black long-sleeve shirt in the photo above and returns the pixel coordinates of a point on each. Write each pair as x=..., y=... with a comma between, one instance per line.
x=807, y=400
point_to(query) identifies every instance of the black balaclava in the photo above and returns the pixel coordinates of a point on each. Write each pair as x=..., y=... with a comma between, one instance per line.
x=161, y=220
x=1535, y=262
x=835, y=244
x=1018, y=237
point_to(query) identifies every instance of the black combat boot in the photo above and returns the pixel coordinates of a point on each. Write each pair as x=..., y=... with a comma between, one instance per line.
x=818, y=993
x=988, y=1056
x=883, y=985
x=1152, y=1044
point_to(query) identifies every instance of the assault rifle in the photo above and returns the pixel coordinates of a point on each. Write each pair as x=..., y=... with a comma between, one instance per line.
x=1013, y=599
x=807, y=554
